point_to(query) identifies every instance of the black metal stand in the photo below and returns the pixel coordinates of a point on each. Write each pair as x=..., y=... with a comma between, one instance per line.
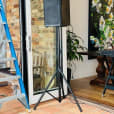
x=110, y=77
x=59, y=75
x=108, y=53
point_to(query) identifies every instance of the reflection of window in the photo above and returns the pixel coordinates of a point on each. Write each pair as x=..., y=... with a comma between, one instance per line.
x=42, y=72
x=43, y=46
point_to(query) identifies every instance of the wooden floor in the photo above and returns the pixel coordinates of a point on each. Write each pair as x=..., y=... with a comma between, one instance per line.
x=83, y=89
x=67, y=106
x=80, y=87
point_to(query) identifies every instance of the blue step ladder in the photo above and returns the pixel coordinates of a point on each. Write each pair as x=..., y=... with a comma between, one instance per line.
x=19, y=93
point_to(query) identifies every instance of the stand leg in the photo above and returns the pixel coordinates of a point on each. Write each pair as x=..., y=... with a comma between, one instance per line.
x=61, y=58
x=71, y=92
x=61, y=86
x=104, y=91
x=45, y=91
x=58, y=59
x=58, y=76
x=59, y=72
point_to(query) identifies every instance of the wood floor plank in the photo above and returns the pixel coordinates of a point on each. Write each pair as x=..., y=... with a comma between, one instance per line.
x=82, y=88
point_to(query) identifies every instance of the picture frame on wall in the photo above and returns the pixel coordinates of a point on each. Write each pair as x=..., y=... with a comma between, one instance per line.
x=92, y=31
x=101, y=25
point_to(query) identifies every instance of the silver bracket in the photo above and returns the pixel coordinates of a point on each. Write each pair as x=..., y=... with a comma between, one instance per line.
x=0, y=6
x=30, y=43
x=22, y=100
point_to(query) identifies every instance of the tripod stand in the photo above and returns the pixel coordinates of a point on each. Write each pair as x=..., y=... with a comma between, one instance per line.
x=59, y=75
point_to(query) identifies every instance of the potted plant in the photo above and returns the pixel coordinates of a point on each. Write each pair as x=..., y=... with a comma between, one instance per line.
x=73, y=47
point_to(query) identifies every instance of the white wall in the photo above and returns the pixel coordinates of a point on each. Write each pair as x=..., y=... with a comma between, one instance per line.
x=79, y=20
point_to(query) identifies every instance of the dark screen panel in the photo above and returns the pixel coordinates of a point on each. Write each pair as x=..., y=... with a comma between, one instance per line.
x=57, y=12
x=52, y=13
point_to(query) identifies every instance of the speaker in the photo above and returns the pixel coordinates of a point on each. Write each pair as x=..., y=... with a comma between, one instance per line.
x=56, y=12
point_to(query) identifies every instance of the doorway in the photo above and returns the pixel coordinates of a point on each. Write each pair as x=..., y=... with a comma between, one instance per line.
x=40, y=52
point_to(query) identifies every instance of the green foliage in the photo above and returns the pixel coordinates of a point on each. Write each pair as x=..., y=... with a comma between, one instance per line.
x=103, y=23
x=73, y=45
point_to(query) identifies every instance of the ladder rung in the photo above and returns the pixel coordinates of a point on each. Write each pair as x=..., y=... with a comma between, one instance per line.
x=2, y=60
x=20, y=94
x=6, y=99
x=7, y=77
x=12, y=70
x=0, y=6
x=2, y=23
x=5, y=41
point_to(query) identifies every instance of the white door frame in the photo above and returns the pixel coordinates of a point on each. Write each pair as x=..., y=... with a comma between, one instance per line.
x=33, y=98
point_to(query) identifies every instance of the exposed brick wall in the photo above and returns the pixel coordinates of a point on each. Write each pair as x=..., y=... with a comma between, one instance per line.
x=12, y=10
x=43, y=39
x=43, y=42
x=12, y=13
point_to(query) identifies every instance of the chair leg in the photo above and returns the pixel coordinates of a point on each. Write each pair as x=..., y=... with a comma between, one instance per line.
x=104, y=91
x=107, y=80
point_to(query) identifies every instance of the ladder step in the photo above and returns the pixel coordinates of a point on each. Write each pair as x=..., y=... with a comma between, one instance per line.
x=12, y=70
x=2, y=23
x=9, y=98
x=0, y=6
x=7, y=77
x=5, y=69
x=5, y=41
x=2, y=60
x=20, y=93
